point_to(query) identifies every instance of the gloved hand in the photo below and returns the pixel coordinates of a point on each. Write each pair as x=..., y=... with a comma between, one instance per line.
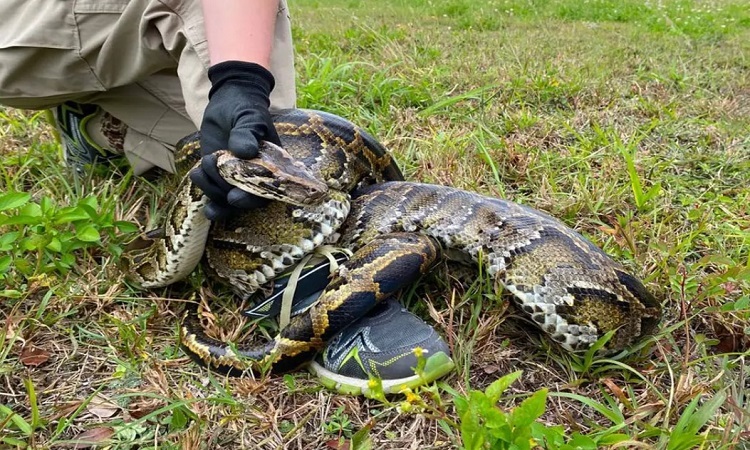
x=236, y=119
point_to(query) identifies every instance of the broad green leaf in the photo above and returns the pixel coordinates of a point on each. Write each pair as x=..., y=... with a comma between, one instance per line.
x=461, y=405
x=495, y=390
x=742, y=303
x=35, y=242
x=30, y=209
x=54, y=245
x=69, y=215
x=522, y=440
x=10, y=293
x=179, y=420
x=494, y=418
x=22, y=219
x=5, y=262
x=548, y=437
x=8, y=238
x=579, y=441
x=10, y=200
x=90, y=211
x=472, y=432
x=126, y=227
x=67, y=260
x=115, y=250
x=87, y=233
x=129, y=434
x=24, y=266
x=530, y=409
x=743, y=275
x=361, y=439
x=90, y=201
x=290, y=382
x=503, y=432
x=47, y=206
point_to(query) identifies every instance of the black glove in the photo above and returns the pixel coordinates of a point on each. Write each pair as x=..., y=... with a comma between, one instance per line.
x=236, y=119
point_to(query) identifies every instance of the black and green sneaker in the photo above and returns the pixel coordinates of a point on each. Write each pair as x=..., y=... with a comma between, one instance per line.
x=80, y=150
x=389, y=349
x=383, y=351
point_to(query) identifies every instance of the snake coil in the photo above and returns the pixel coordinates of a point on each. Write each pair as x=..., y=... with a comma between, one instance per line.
x=332, y=183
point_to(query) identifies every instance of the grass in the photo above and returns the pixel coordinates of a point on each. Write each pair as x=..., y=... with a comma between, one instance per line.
x=628, y=120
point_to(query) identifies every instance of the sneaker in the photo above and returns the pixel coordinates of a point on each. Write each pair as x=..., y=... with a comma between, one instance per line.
x=380, y=349
x=80, y=150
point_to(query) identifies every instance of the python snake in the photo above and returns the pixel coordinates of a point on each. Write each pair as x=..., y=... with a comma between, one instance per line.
x=332, y=183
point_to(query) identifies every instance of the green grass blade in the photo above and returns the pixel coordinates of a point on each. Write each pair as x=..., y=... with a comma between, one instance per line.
x=614, y=415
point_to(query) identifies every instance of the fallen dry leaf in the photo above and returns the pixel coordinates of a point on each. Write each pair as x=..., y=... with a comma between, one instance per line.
x=101, y=407
x=608, y=230
x=615, y=389
x=145, y=406
x=32, y=356
x=489, y=369
x=66, y=409
x=91, y=438
x=338, y=445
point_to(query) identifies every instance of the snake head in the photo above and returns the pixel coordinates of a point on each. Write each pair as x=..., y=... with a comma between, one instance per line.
x=274, y=175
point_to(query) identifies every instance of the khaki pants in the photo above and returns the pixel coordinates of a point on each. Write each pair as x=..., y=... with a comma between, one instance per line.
x=142, y=61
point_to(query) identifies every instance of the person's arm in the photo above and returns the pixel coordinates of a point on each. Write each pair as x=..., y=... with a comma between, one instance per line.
x=240, y=35
x=240, y=30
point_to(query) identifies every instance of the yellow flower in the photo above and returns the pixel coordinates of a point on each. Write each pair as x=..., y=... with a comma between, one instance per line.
x=411, y=397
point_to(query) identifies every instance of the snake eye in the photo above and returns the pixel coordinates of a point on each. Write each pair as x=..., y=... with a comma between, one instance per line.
x=259, y=171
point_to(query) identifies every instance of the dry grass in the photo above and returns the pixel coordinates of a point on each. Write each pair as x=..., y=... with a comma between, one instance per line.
x=532, y=101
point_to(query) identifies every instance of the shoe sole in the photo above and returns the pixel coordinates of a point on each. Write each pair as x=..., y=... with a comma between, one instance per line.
x=436, y=366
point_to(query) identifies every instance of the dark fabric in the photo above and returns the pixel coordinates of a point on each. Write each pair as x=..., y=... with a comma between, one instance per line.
x=236, y=119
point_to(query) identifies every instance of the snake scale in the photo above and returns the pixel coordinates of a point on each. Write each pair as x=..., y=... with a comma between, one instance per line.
x=335, y=184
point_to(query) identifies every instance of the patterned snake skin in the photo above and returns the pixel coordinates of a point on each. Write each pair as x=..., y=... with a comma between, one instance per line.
x=333, y=188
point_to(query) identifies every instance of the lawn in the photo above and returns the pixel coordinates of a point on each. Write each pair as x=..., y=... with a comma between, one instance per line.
x=628, y=120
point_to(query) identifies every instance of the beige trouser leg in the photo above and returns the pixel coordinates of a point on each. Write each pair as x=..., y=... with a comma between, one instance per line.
x=143, y=61
x=155, y=118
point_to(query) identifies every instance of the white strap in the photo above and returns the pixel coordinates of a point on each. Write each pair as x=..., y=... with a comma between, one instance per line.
x=285, y=315
x=286, y=298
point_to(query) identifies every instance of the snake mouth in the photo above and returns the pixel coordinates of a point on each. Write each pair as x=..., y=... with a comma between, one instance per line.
x=650, y=323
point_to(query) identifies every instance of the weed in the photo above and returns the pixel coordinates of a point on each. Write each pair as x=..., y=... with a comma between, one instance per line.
x=339, y=424
x=485, y=425
x=42, y=237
